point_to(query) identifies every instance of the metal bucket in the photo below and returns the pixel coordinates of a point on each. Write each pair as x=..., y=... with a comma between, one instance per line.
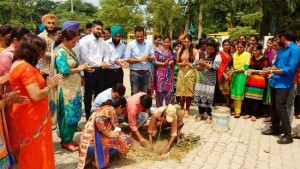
x=220, y=118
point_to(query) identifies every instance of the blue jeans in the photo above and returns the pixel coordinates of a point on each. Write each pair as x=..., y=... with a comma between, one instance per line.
x=139, y=82
x=141, y=119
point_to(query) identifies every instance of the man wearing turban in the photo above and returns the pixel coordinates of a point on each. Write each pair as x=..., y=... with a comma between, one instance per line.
x=49, y=20
x=114, y=74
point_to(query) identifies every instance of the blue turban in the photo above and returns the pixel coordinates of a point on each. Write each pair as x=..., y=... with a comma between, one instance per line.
x=71, y=25
x=116, y=29
x=41, y=27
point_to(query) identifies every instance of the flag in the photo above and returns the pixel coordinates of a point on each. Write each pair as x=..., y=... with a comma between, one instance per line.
x=192, y=30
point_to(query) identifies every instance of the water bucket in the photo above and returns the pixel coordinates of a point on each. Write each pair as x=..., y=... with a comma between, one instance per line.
x=220, y=118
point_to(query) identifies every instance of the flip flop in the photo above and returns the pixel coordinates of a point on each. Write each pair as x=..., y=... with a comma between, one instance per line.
x=246, y=117
x=297, y=117
x=198, y=118
x=296, y=136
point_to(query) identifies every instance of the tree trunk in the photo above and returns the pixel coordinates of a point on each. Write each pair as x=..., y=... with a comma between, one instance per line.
x=187, y=24
x=200, y=19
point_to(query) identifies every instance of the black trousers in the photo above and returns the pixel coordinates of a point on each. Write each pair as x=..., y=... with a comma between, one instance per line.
x=202, y=110
x=279, y=111
x=297, y=105
x=112, y=77
x=93, y=84
x=253, y=107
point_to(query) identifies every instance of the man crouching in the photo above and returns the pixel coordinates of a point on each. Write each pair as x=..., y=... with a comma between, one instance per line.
x=165, y=116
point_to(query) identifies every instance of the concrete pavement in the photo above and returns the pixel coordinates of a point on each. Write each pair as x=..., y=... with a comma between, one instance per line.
x=242, y=146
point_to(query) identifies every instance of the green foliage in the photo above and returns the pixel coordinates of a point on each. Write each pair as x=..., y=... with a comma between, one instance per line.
x=82, y=12
x=249, y=19
x=123, y=12
x=166, y=16
x=237, y=31
x=6, y=11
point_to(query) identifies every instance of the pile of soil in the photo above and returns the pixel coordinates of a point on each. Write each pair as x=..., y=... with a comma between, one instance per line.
x=139, y=153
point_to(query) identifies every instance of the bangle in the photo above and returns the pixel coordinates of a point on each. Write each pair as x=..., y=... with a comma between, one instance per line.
x=271, y=71
x=48, y=88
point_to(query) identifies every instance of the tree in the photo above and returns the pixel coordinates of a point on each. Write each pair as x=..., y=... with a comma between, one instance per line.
x=200, y=25
x=239, y=30
x=187, y=24
x=6, y=11
x=165, y=15
x=24, y=12
x=83, y=12
x=125, y=13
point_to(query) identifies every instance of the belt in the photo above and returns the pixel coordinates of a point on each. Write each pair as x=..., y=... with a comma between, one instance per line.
x=96, y=68
x=116, y=69
x=140, y=71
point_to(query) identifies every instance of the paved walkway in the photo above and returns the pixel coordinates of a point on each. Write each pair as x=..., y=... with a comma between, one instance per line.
x=241, y=147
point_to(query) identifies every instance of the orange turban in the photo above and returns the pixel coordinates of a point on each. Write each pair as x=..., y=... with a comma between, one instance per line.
x=181, y=37
x=48, y=16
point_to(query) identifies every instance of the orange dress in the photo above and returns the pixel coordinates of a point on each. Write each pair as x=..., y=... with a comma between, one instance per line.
x=32, y=121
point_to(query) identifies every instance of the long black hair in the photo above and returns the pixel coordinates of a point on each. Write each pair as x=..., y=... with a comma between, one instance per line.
x=17, y=33
x=66, y=34
x=224, y=41
x=167, y=37
x=191, y=56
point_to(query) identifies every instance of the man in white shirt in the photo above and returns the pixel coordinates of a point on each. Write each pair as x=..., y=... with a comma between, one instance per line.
x=93, y=51
x=114, y=74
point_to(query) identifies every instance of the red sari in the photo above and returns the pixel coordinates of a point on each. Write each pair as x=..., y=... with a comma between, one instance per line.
x=32, y=121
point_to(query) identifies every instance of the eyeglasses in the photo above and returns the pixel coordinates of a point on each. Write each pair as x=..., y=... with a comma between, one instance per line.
x=51, y=23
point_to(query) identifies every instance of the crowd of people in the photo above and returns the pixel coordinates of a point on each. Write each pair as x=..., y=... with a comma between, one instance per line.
x=42, y=77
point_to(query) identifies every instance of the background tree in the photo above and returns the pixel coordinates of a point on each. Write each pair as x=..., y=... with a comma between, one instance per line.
x=123, y=12
x=82, y=12
x=166, y=15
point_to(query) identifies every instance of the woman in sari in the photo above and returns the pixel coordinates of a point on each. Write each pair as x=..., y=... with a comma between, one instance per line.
x=32, y=120
x=187, y=74
x=164, y=73
x=66, y=98
x=6, y=57
x=101, y=135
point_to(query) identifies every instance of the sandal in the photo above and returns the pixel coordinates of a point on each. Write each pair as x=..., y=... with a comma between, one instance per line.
x=246, y=116
x=70, y=146
x=296, y=136
x=186, y=114
x=198, y=118
x=236, y=116
x=253, y=118
x=208, y=120
x=268, y=119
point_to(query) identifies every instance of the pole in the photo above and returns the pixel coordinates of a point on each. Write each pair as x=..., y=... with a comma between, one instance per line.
x=72, y=6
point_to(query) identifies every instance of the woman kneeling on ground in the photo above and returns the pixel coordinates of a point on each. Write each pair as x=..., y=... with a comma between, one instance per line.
x=101, y=135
